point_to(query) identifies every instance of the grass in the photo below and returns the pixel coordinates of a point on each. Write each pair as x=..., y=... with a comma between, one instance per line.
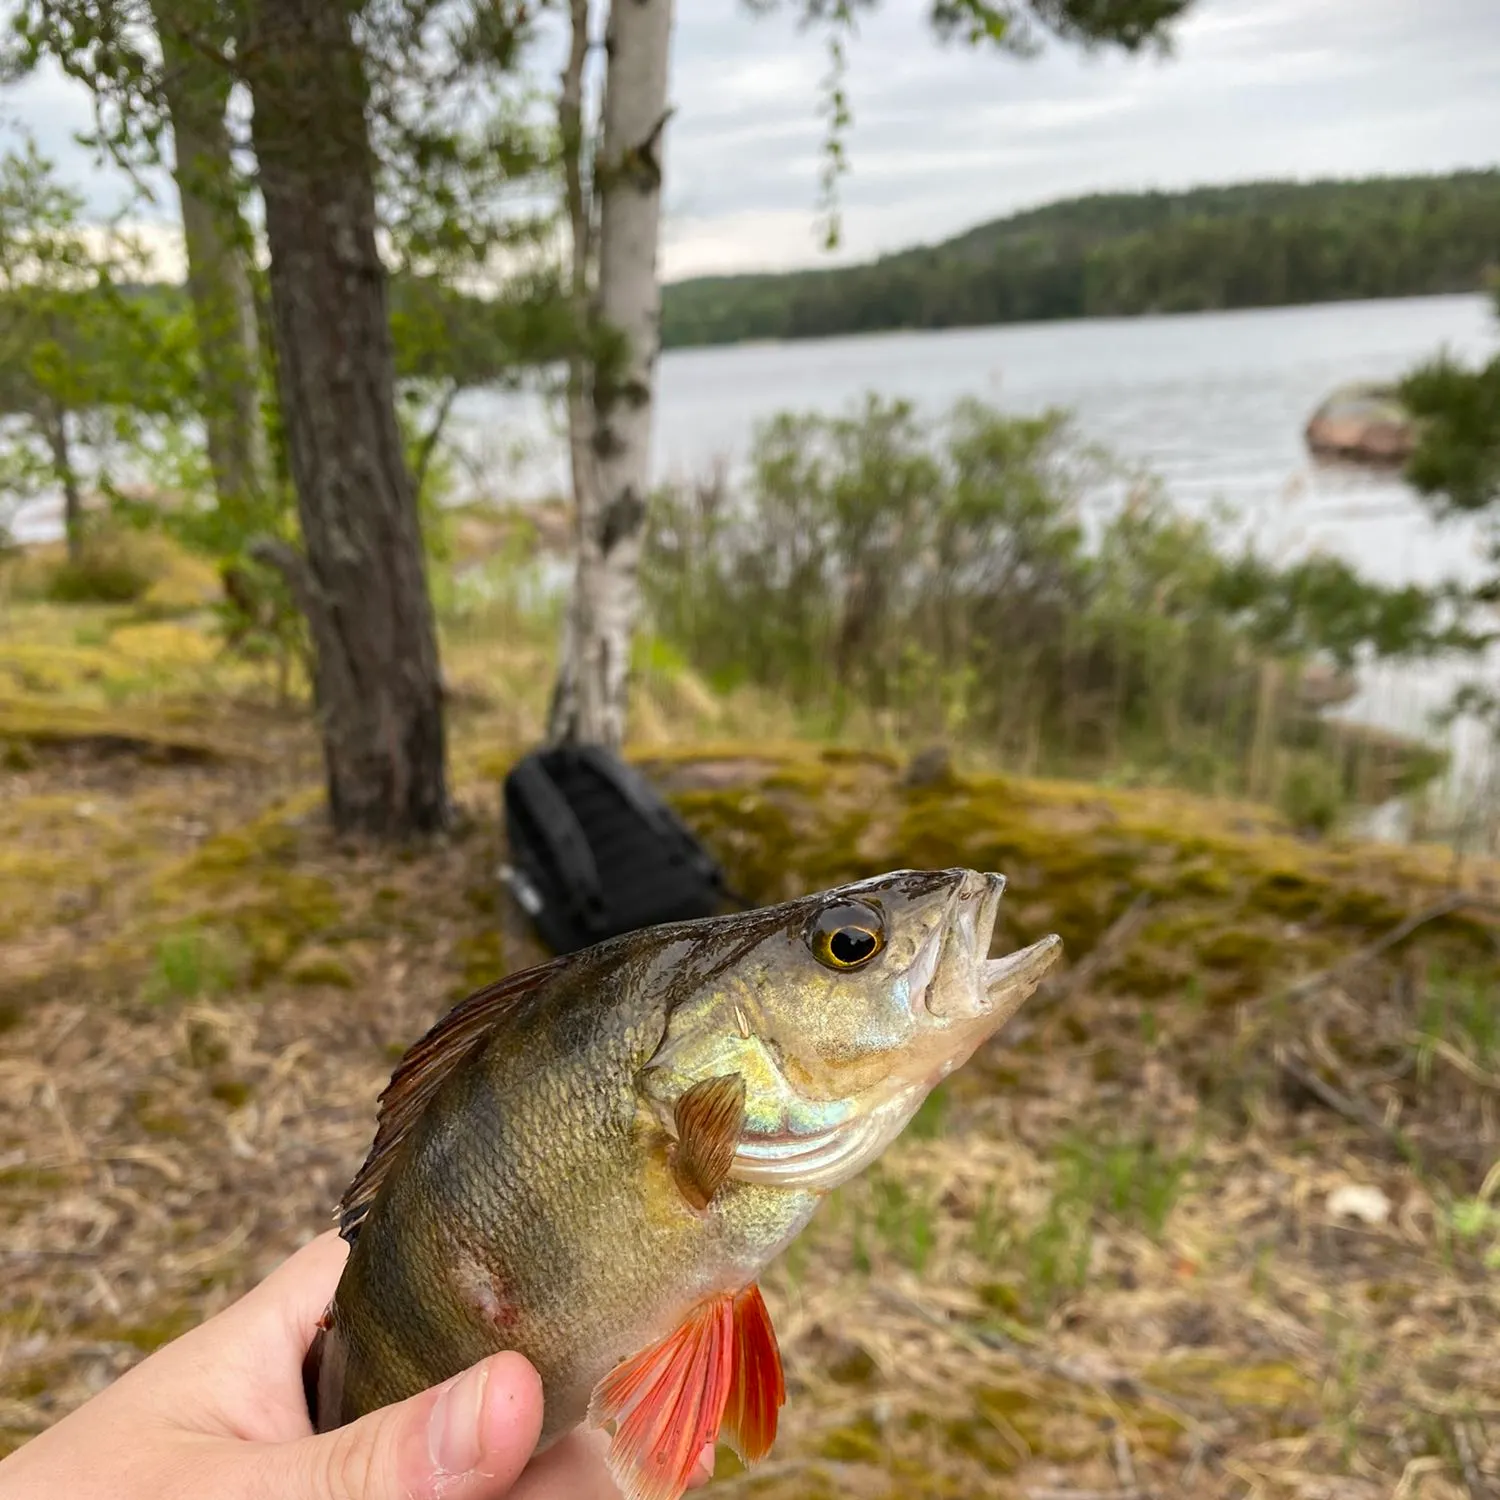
x=1462, y=1010
x=189, y=964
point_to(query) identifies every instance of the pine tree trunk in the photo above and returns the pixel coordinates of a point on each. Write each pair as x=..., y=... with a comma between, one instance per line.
x=612, y=461
x=218, y=266
x=363, y=584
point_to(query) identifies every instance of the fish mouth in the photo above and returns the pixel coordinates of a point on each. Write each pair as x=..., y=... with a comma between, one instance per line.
x=962, y=941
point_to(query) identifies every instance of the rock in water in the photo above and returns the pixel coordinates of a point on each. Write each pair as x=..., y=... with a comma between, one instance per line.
x=1362, y=423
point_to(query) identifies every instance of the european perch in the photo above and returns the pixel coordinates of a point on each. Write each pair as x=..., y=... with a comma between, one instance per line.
x=594, y=1160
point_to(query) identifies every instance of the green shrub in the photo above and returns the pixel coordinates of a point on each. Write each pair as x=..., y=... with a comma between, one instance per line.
x=940, y=577
x=104, y=572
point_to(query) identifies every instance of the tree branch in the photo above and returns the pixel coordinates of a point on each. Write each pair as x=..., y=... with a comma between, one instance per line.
x=292, y=566
x=430, y=439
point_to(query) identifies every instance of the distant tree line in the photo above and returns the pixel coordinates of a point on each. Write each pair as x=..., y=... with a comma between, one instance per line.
x=1110, y=255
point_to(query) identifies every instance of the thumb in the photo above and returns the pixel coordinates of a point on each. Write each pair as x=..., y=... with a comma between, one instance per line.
x=467, y=1439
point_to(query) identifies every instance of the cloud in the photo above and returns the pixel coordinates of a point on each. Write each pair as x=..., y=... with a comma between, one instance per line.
x=944, y=138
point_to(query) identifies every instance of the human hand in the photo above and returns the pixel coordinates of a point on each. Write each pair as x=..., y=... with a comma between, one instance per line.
x=220, y=1412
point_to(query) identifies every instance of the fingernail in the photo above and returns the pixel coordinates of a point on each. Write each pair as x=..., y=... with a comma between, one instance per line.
x=453, y=1427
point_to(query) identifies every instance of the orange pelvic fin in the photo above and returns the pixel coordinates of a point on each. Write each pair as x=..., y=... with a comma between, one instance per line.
x=757, y=1388
x=720, y=1370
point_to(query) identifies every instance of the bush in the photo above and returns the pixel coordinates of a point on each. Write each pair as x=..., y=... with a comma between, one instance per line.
x=940, y=576
x=107, y=570
x=115, y=565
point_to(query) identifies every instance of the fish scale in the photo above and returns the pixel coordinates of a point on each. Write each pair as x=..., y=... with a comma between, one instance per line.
x=592, y=1162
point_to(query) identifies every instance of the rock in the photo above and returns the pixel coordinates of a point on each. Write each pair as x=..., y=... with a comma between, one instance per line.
x=1362, y=423
x=1355, y=1200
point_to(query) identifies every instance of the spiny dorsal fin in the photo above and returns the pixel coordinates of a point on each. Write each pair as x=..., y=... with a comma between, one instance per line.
x=427, y=1065
x=710, y=1117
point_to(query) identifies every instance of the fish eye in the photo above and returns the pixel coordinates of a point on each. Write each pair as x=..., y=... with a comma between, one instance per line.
x=847, y=936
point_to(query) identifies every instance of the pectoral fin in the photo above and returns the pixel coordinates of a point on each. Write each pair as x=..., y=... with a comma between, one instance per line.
x=709, y=1118
x=719, y=1372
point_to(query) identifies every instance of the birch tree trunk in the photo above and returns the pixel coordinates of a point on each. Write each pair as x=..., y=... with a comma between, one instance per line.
x=610, y=422
x=363, y=582
x=217, y=241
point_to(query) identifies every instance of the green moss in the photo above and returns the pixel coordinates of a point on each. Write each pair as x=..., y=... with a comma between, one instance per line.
x=1267, y=1384
x=1148, y=973
x=482, y=956
x=1363, y=907
x=483, y=899
x=159, y=1117
x=36, y=1178
x=857, y=1443
x=17, y=755
x=43, y=723
x=1241, y=949
x=320, y=966
x=234, y=1092
x=853, y=1364
x=190, y=962
x=1200, y=878
x=1002, y=1297
x=288, y=910
x=854, y=755
x=977, y=1438
x=1288, y=893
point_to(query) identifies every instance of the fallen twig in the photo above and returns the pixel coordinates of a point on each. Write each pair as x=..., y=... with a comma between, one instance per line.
x=985, y=1341
x=1454, y=901
x=1474, y=1480
x=1456, y=1059
x=1356, y=1110
x=1119, y=1447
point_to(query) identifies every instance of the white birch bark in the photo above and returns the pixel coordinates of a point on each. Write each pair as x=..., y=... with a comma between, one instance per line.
x=610, y=422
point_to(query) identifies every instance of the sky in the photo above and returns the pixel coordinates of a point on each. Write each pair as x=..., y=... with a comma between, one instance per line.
x=944, y=138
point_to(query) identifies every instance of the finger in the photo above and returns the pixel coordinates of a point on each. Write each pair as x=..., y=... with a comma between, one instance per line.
x=233, y=1368
x=574, y=1469
x=467, y=1439
x=296, y=1294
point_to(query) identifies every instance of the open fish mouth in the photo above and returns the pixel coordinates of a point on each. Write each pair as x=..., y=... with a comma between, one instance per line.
x=963, y=941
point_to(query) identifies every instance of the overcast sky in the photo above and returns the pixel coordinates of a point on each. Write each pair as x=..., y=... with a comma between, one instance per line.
x=944, y=139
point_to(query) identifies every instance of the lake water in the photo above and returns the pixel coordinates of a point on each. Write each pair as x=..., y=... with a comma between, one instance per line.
x=1213, y=403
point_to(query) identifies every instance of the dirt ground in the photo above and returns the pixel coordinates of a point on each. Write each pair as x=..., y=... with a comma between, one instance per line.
x=1220, y=1215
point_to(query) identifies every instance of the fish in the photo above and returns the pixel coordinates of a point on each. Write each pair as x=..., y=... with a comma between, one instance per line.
x=594, y=1160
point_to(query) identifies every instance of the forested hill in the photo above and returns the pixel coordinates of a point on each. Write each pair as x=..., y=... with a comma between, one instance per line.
x=1258, y=244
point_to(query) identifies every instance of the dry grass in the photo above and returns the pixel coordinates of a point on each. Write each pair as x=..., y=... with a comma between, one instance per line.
x=1107, y=1259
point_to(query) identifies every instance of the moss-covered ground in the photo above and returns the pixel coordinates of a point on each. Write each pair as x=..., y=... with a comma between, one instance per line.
x=1202, y=1223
